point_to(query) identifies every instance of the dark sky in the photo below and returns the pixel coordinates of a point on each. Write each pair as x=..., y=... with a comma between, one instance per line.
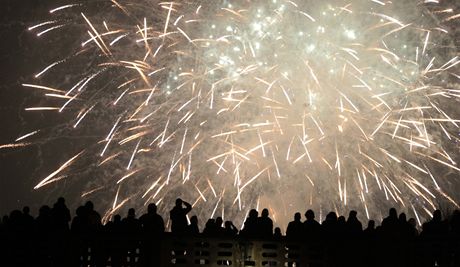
x=19, y=59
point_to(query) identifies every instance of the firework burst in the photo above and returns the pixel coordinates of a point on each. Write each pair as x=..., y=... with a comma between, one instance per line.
x=333, y=105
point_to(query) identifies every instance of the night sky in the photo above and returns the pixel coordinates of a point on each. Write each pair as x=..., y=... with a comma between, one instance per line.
x=21, y=54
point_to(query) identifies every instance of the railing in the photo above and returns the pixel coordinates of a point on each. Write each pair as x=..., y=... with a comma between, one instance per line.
x=238, y=252
x=173, y=251
x=188, y=251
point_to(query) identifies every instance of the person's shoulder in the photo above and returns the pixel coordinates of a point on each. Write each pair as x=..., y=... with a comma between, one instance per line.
x=95, y=213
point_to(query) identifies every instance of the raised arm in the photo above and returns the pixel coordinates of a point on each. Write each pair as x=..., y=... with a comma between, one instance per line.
x=188, y=207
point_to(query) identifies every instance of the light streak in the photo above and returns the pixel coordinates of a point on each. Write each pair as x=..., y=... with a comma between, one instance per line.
x=360, y=99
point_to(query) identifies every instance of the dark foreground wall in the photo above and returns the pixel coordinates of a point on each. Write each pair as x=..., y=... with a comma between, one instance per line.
x=170, y=250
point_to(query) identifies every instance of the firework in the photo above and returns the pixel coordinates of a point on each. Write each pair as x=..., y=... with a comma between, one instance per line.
x=334, y=105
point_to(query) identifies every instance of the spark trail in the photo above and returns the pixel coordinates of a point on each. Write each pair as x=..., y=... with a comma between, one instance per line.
x=333, y=105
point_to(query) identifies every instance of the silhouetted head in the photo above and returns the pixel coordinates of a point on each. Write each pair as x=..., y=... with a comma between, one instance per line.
x=210, y=223
x=253, y=213
x=219, y=221
x=89, y=205
x=412, y=222
x=26, y=210
x=15, y=216
x=297, y=217
x=117, y=218
x=437, y=216
x=228, y=224
x=131, y=212
x=80, y=211
x=353, y=214
x=178, y=202
x=44, y=210
x=194, y=220
x=331, y=217
x=402, y=217
x=341, y=219
x=277, y=231
x=393, y=213
x=310, y=215
x=152, y=208
x=371, y=224
x=265, y=213
x=61, y=201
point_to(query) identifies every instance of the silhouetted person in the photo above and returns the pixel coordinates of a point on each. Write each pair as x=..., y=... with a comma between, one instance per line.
x=85, y=225
x=5, y=219
x=153, y=226
x=354, y=226
x=44, y=221
x=435, y=227
x=393, y=241
x=250, y=225
x=390, y=225
x=192, y=228
x=311, y=226
x=44, y=226
x=3, y=222
x=370, y=244
x=341, y=227
x=369, y=232
x=435, y=232
x=116, y=247
x=61, y=215
x=333, y=239
x=117, y=225
x=455, y=235
x=17, y=245
x=210, y=228
x=230, y=229
x=277, y=234
x=402, y=218
x=178, y=216
x=413, y=228
x=329, y=227
x=131, y=228
x=455, y=223
x=3, y=238
x=131, y=224
x=265, y=225
x=404, y=230
x=40, y=242
x=93, y=217
x=27, y=219
x=79, y=222
x=152, y=223
x=294, y=230
x=15, y=221
x=220, y=231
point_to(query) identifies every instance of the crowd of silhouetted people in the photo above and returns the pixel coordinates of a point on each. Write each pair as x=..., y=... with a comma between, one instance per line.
x=54, y=238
